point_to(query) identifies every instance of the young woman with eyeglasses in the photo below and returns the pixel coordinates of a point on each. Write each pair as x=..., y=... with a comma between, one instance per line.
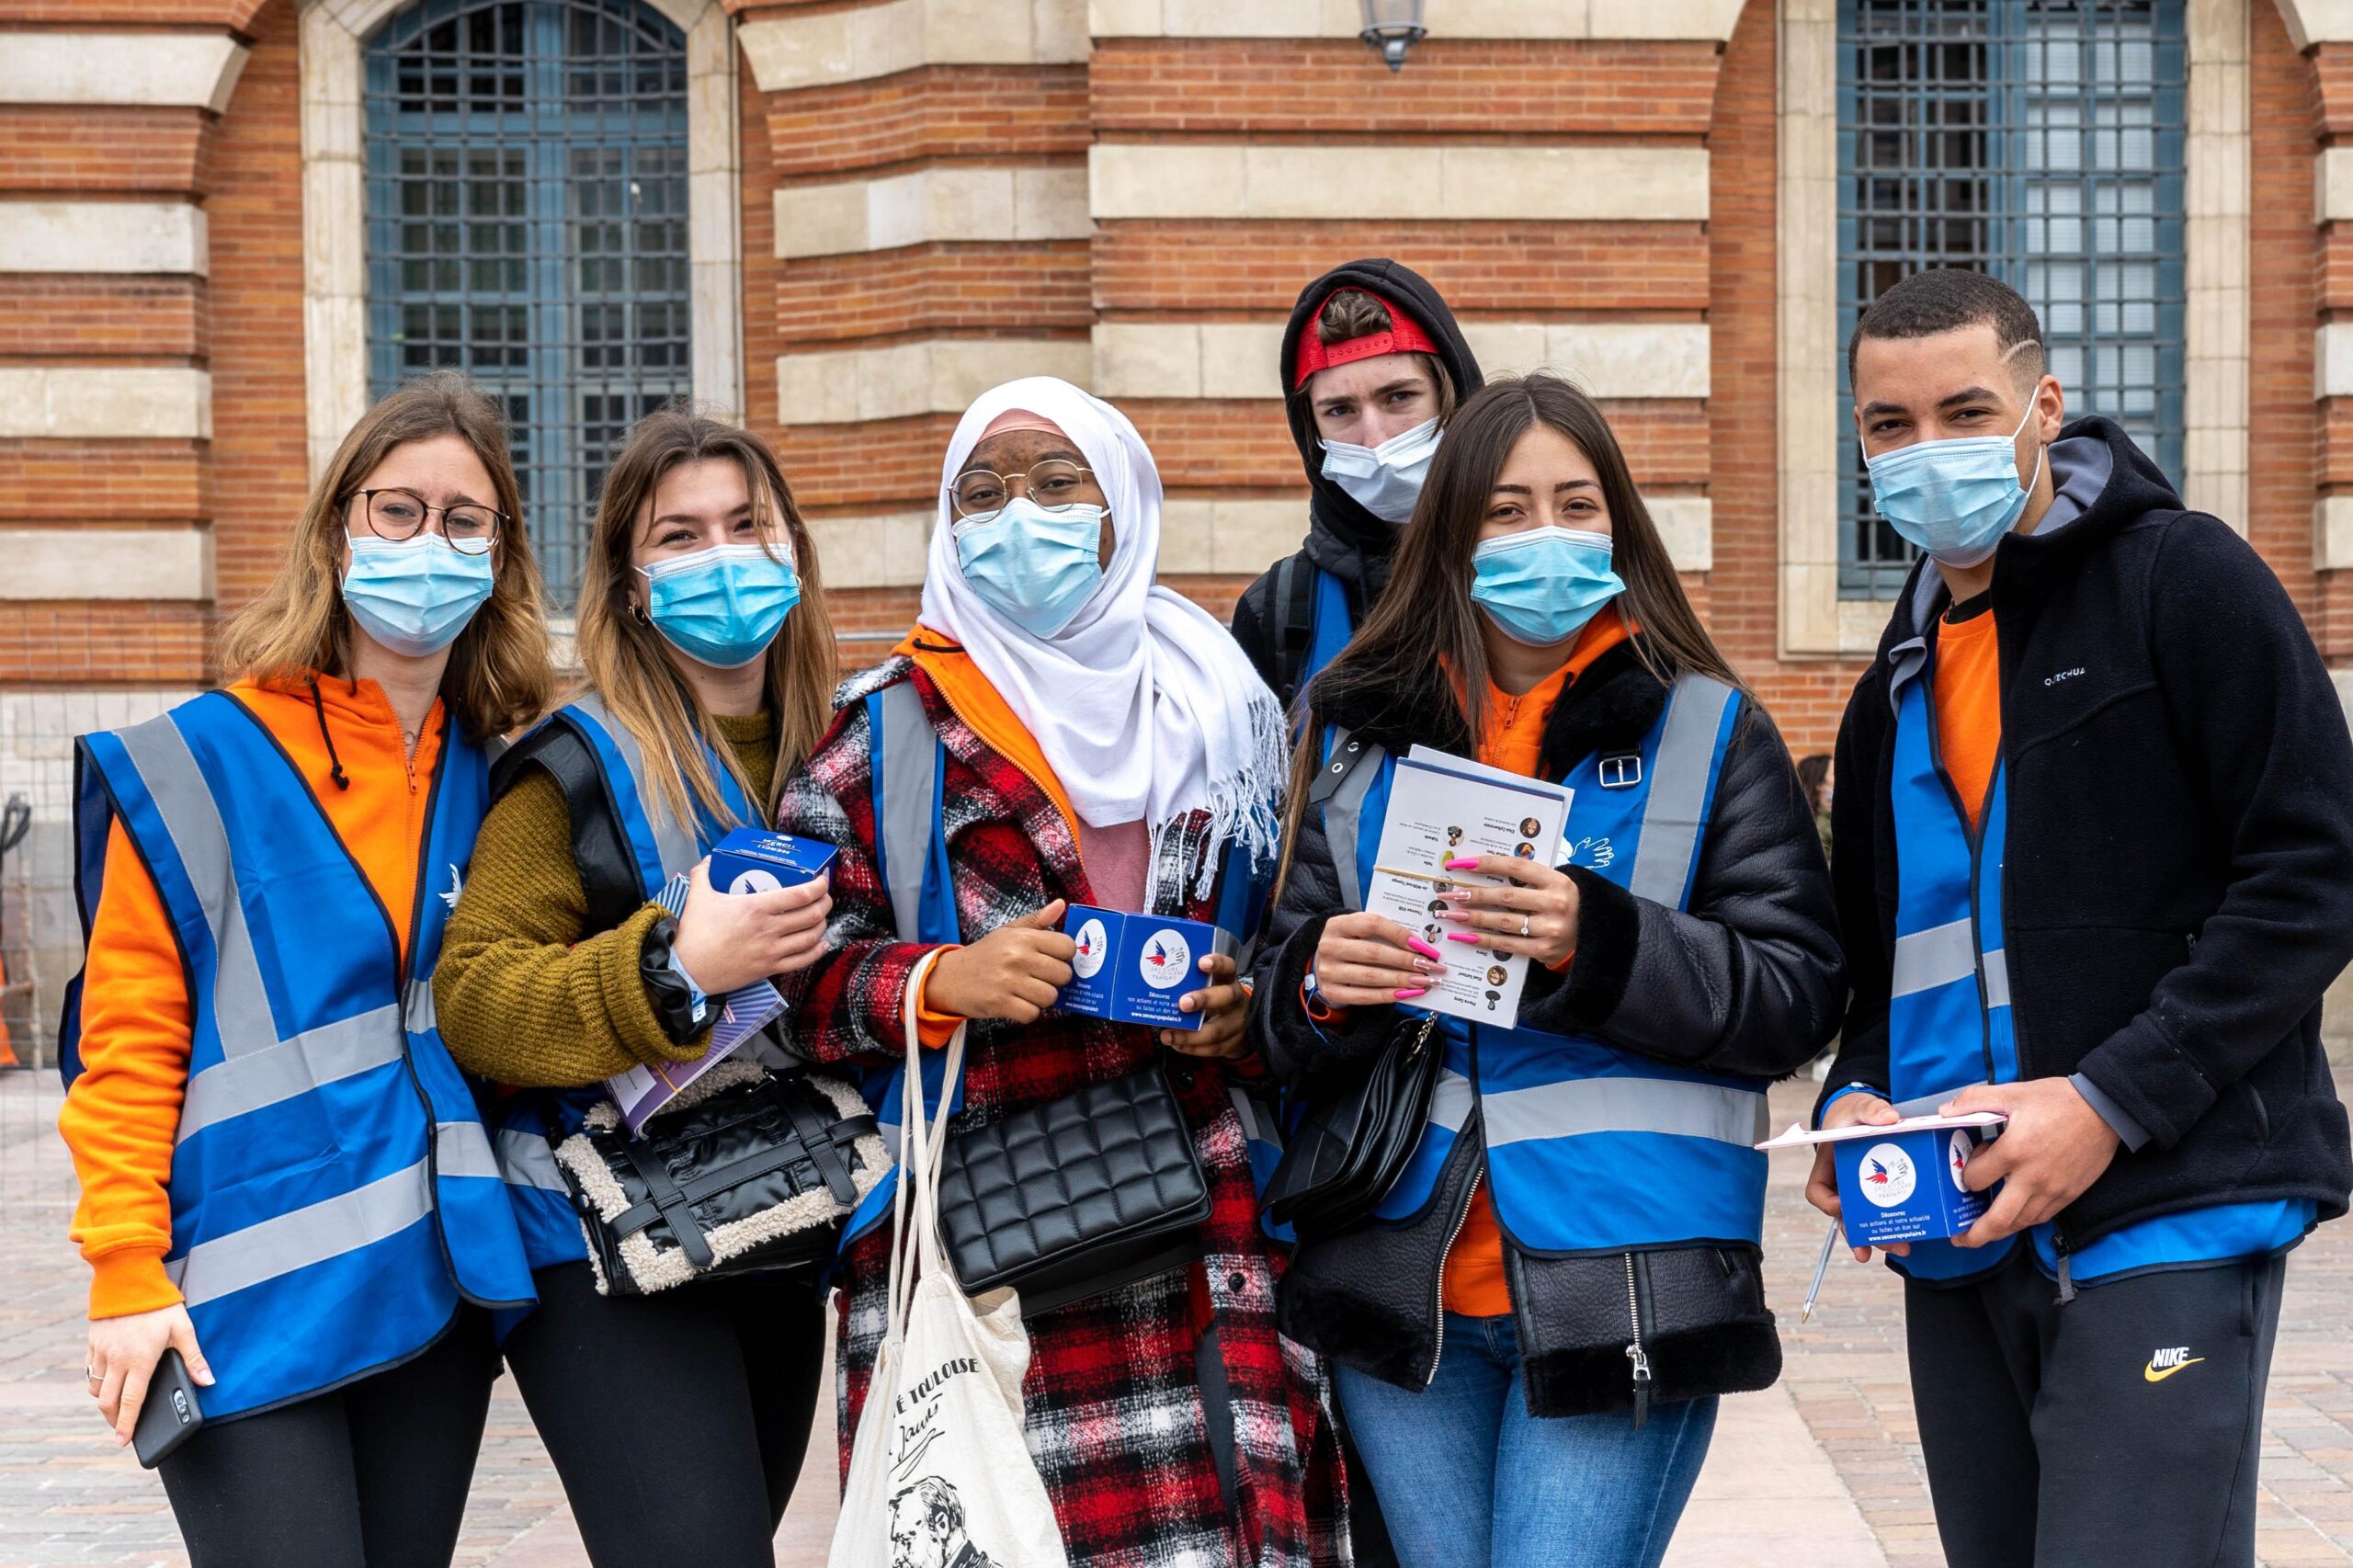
x=284, y=1178
x=676, y=1419
x=1099, y=741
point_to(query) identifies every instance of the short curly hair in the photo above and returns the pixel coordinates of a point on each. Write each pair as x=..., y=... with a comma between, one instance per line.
x=1946, y=299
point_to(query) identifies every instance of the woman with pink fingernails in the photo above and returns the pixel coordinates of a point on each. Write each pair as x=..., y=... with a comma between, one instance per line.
x=1531, y=1330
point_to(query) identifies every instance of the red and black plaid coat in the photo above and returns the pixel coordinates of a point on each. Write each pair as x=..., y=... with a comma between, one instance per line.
x=1114, y=1419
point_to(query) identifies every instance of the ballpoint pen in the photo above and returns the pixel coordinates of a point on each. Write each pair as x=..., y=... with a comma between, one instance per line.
x=1822, y=1264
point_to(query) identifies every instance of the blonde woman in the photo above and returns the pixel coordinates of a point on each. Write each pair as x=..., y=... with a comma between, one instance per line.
x=284, y=1179
x=676, y=1420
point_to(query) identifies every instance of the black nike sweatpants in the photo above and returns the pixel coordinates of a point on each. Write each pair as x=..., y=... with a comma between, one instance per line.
x=2123, y=1428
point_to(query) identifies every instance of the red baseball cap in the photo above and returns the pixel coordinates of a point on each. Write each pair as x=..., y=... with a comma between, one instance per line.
x=1404, y=336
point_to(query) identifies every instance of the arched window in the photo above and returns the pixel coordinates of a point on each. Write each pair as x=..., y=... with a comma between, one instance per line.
x=2041, y=141
x=527, y=223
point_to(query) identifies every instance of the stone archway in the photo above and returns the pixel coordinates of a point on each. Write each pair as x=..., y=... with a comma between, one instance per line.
x=334, y=273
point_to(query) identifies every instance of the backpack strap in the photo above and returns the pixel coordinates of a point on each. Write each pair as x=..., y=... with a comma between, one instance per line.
x=609, y=874
x=1293, y=602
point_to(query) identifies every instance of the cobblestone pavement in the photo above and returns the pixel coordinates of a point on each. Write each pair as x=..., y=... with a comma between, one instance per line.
x=68, y=1498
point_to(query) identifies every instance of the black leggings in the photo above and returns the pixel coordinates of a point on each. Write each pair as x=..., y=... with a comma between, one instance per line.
x=371, y=1475
x=678, y=1421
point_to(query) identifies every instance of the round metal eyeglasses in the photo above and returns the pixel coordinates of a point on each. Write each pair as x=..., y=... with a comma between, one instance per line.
x=397, y=515
x=1054, y=485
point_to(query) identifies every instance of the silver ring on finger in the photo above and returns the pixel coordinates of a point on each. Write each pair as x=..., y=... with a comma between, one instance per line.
x=1523, y=925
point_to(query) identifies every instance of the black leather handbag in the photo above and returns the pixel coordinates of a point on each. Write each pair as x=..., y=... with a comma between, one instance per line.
x=746, y=1171
x=1076, y=1197
x=1358, y=1134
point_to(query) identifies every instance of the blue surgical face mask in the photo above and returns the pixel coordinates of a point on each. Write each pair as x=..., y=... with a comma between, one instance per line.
x=1954, y=499
x=1541, y=585
x=414, y=595
x=724, y=605
x=1032, y=566
x=1385, y=480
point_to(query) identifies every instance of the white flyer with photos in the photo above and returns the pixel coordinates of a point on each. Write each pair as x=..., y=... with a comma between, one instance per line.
x=1444, y=808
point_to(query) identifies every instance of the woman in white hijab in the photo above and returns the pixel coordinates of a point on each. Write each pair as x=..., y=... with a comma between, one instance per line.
x=1101, y=741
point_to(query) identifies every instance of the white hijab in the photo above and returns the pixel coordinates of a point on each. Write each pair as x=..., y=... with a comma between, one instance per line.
x=1143, y=706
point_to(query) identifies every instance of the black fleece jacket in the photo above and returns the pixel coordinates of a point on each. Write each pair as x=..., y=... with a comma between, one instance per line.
x=1747, y=981
x=2178, y=876
x=1342, y=537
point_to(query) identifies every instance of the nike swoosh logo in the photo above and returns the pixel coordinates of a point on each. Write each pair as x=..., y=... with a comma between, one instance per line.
x=2151, y=1374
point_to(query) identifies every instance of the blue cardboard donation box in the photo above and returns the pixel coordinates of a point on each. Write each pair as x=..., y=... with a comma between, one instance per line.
x=755, y=860
x=1906, y=1185
x=1132, y=968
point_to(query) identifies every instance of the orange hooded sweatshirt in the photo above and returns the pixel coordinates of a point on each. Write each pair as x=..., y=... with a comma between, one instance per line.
x=122, y=1118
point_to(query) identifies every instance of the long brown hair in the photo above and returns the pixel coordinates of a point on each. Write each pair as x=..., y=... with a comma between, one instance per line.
x=499, y=675
x=1421, y=648
x=627, y=660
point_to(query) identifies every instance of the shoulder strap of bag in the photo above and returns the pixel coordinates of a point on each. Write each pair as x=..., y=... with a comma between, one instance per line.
x=609, y=874
x=923, y=1144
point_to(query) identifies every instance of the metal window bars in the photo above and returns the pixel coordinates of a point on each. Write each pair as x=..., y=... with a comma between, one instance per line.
x=527, y=223
x=2041, y=141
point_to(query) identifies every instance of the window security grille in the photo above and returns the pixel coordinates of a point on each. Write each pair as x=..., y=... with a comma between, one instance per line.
x=2040, y=140
x=527, y=224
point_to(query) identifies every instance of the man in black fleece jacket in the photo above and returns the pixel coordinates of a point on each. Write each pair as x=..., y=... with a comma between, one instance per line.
x=2093, y=861
x=1302, y=610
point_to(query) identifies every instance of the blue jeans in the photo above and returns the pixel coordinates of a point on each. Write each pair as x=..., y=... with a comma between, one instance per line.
x=1467, y=1476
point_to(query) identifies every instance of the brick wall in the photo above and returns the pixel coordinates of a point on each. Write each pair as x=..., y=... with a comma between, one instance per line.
x=1805, y=696
x=239, y=321
x=259, y=475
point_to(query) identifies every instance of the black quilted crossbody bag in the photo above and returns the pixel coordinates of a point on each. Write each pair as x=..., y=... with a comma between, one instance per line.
x=1076, y=1197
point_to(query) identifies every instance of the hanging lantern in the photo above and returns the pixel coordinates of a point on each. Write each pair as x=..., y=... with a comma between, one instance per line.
x=1392, y=27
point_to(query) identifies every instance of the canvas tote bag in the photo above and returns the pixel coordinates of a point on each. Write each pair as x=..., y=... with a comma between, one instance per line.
x=939, y=1472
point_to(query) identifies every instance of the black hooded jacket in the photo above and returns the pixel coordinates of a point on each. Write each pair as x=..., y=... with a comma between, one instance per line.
x=1342, y=537
x=2178, y=870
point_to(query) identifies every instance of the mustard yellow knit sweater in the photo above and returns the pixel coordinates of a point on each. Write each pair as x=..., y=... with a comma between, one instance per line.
x=526, y=994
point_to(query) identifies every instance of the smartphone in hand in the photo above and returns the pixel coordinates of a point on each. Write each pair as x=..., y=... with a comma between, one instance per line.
x=171, y=1415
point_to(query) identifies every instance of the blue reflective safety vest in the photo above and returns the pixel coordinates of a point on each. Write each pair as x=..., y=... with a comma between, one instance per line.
x=532, y=1121
x=1589, y=1148
x=1949, y=1018
x=909, y=772
x=334, y=1195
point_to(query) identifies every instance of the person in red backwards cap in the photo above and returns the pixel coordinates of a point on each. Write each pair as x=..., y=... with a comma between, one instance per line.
x=1372, y=362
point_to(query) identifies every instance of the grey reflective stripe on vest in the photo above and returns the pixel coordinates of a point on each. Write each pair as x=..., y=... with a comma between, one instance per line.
x=529, y=1160
x=1678, y=790
x=1942, y=954
x=673, y=841
x=1450, y=1103
x=1344, y=813
x=1938, y=956
x=240, y=1002
x=462, y=1149
x=1578, y=1106
x=242, y=1084
x=910, y=763
x=421, y=1016
x=305, y=1237
x=1997, y=978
